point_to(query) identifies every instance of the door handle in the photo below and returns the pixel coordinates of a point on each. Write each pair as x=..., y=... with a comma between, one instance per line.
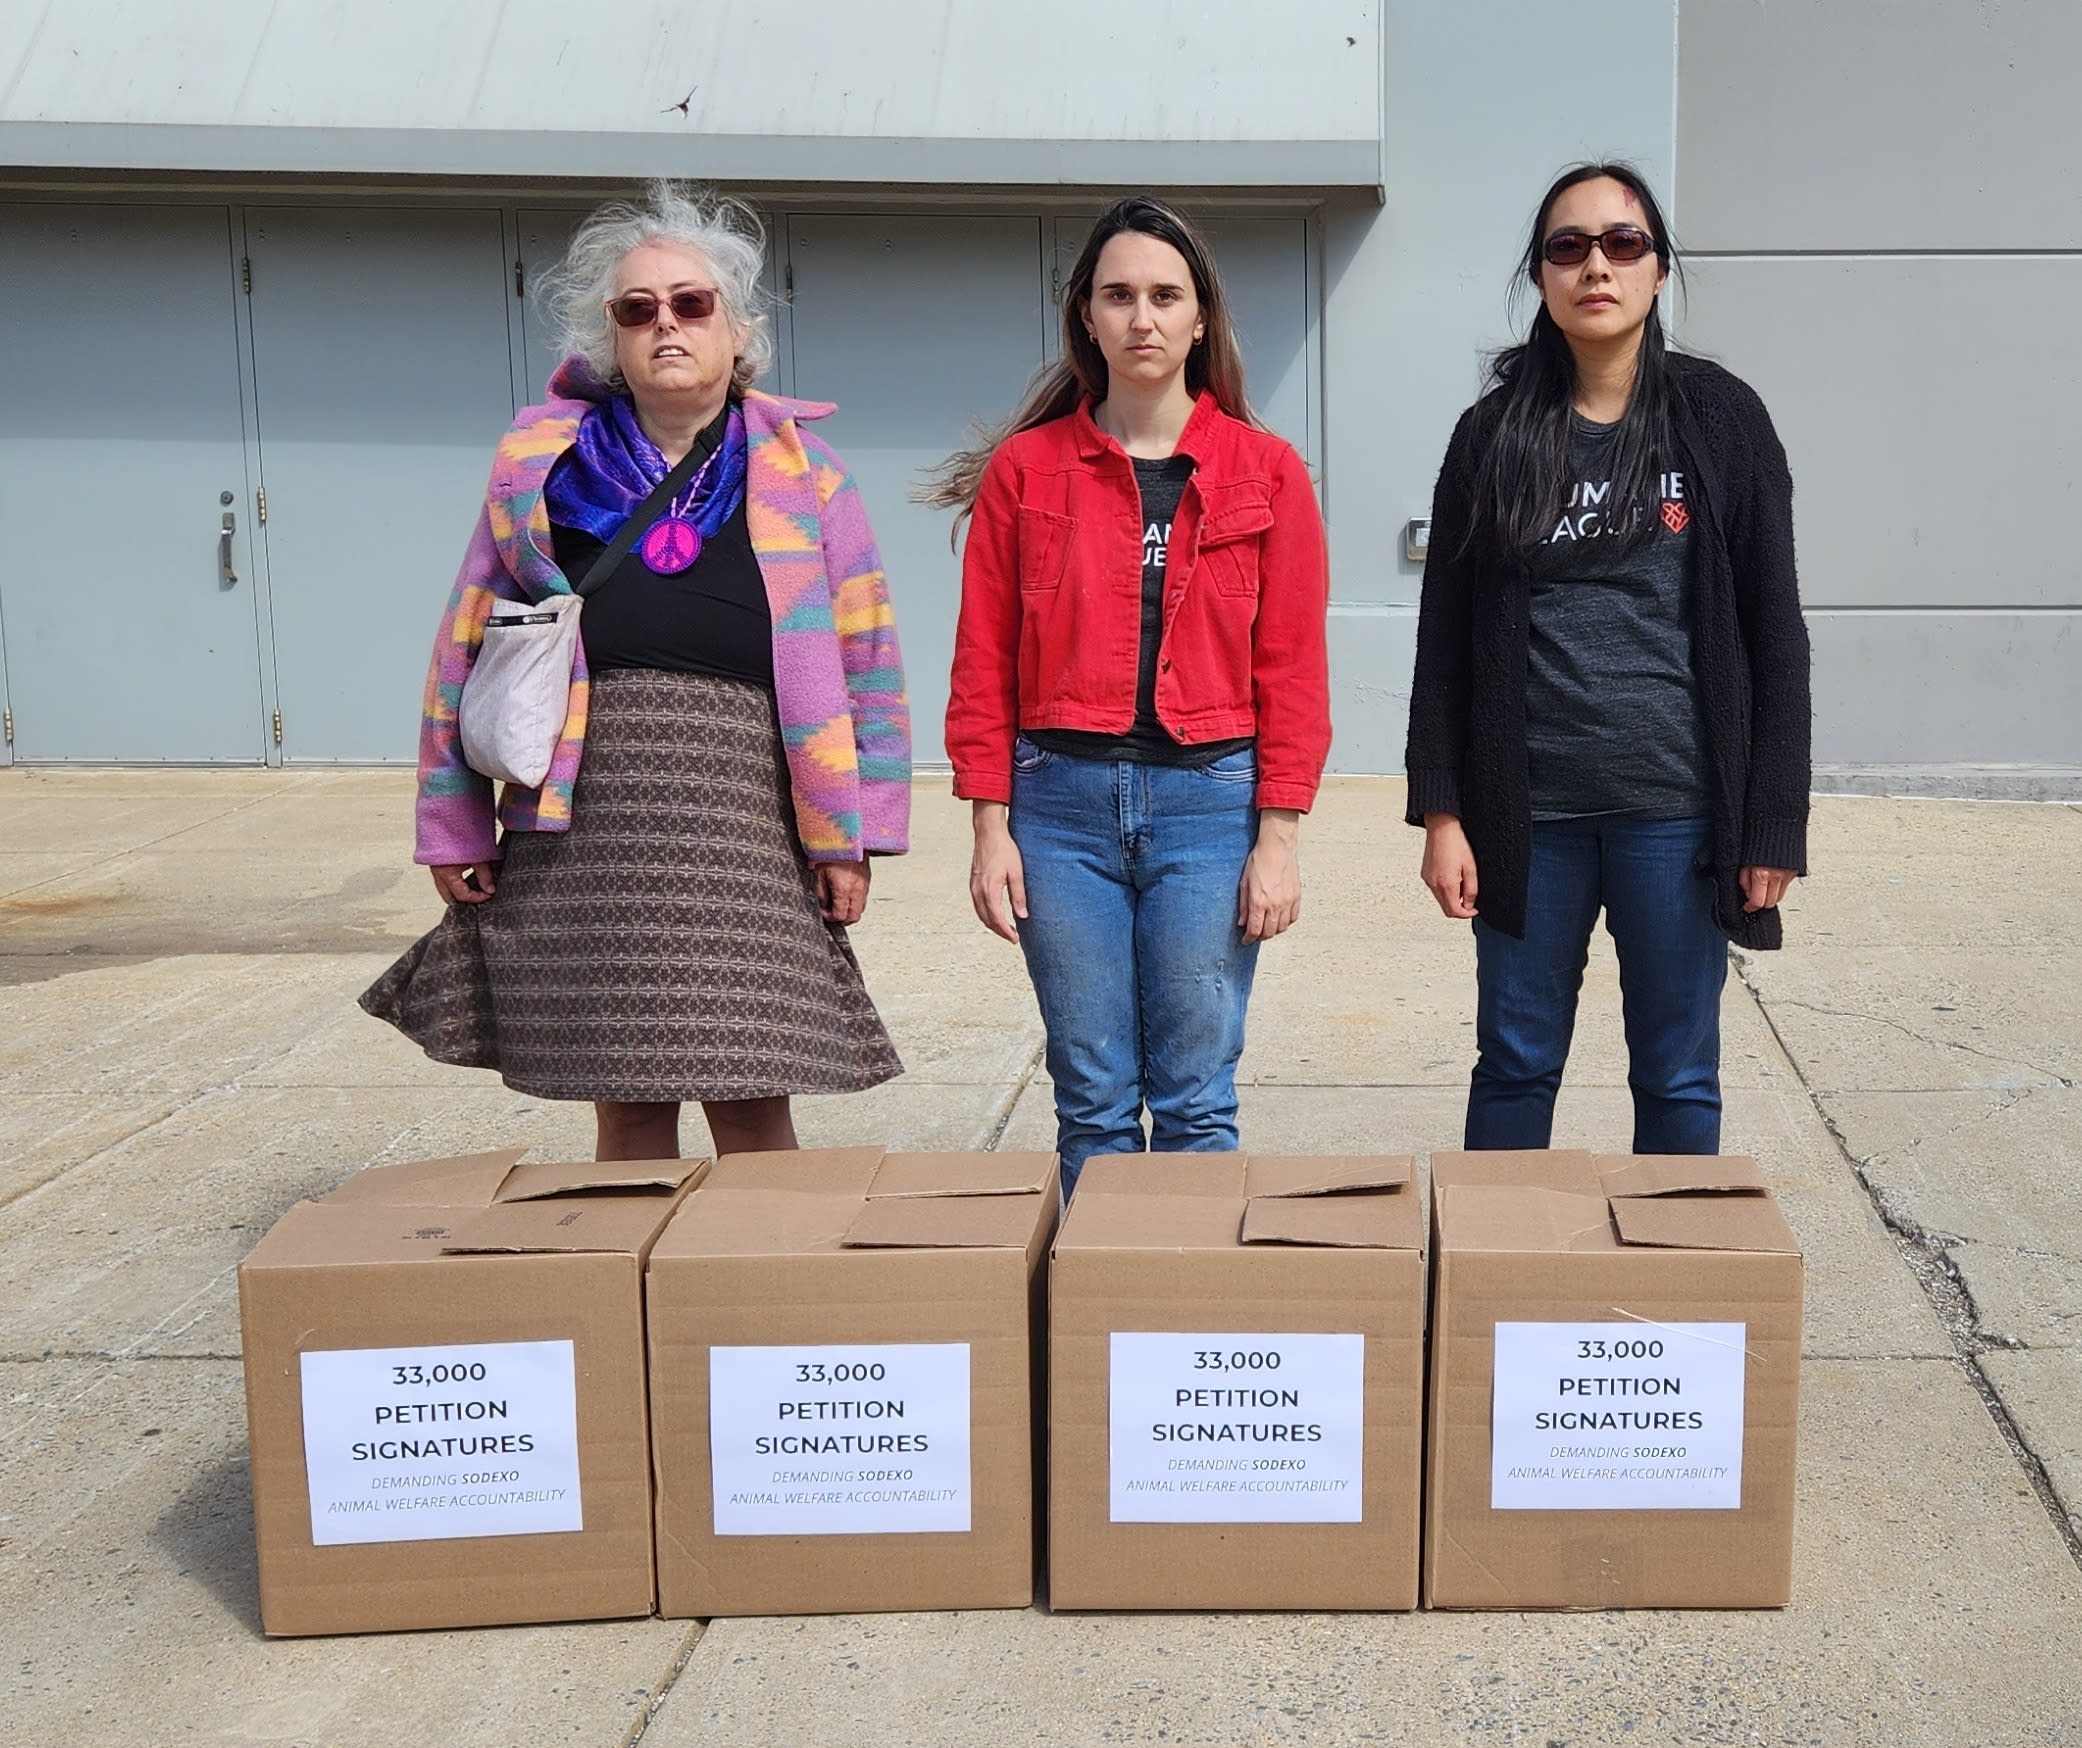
x=224, y=565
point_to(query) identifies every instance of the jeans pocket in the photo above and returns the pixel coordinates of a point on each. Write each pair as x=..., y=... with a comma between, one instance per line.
x=1026, y=756
x=1240, y=766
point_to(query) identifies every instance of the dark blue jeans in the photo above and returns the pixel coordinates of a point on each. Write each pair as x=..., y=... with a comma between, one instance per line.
x=1649, y=877
x=1131, y=940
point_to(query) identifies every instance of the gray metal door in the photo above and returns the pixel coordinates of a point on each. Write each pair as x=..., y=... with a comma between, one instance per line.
x=381, y=361
x=542, y=236
x=130, y=630
x=1264, y=267
x=916, y=327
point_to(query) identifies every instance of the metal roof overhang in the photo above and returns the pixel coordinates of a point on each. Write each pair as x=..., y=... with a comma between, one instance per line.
x=759, y=158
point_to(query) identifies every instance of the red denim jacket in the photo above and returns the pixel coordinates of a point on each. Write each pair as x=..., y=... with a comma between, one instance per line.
x=1051, y=602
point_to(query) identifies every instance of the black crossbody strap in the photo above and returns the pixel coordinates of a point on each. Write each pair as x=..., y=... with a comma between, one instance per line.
x=640, y=518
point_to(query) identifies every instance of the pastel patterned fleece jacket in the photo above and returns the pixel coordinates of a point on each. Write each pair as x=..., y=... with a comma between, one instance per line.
x=838, y=676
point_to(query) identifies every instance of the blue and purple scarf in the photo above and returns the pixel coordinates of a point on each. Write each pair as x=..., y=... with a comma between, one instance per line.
x=613, y=466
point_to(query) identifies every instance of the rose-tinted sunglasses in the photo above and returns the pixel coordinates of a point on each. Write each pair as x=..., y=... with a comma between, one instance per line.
x=1622, y=244
x=638, y=309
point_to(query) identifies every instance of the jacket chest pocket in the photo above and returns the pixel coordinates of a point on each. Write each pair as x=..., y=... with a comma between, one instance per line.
x=1231, y=528
x=1044, y=547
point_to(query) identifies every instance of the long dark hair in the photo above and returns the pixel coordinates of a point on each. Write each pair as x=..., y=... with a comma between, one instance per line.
x=1523, y=478
x=1215, y=364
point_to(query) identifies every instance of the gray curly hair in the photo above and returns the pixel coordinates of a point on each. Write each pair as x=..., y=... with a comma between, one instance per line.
x=725, y=233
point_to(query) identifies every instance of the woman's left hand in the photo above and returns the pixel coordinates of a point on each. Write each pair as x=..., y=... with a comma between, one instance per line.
x=842, y=890
x=1762, y=888
x=1268, y=898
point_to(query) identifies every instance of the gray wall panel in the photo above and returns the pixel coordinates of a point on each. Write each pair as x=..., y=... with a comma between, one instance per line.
x=1415, y=291
x=1947, y=688
x=1879, y=124
x=1929, y=434
x=1372, y=651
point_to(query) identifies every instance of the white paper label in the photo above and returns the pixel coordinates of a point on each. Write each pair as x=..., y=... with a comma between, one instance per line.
x=840, y=1441
x=426, y=1444
x=1617, y=1417
x=1236, y=1428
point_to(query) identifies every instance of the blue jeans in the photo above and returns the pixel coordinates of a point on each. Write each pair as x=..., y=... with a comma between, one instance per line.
x=1649, y=876
x=1131, y=940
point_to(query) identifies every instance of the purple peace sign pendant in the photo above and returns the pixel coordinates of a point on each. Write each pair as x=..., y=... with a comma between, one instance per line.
x=672, y=544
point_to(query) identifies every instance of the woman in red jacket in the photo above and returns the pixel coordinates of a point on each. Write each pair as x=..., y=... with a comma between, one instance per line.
x=1140, y=702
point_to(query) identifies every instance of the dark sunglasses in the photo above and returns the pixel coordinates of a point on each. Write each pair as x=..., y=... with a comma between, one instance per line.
x=638, y=309
x=1622, y=244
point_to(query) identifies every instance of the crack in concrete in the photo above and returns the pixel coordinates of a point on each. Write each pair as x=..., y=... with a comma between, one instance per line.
x=1003, y=1118
x=2053, y=1075
x=111, y=1356
x=2014, y=1096
x=1860, y=1359
x=9, y=1197
x=666, y=1683
x=1930, y=1262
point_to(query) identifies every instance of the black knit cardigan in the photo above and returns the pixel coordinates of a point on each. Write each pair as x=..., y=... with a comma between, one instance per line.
x=1467, y=748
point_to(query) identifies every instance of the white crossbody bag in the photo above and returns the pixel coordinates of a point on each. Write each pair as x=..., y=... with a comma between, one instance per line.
x=518, y=693
x=519, y=690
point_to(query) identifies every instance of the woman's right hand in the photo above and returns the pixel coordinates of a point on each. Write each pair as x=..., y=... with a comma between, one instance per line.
x=452, y=881
x=997, y=876
x=1449, y=865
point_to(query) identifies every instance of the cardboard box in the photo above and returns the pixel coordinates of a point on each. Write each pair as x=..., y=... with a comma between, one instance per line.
x=844, y=1362
x=445, y=1395
x=1236, y=1384
x=1615, y=1383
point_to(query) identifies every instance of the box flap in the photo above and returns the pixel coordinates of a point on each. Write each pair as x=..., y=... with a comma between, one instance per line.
x=1153, y=1222
x=818, y=1171
x=991, y=1221
x=604, y=1223
x=1380, y=1221
x=1704, y=1222
x=1522, y=1217
x=330, y=1234
x=1329, y=1176
x=730, y=1220
x=1554, y=1169
x=542, y=1179
x=469, y=1181
x=1162, y=1174
x=1663, y=1174
x=963, y=1174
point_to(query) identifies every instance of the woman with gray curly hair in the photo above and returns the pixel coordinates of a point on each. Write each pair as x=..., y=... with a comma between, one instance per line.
x=663, y=918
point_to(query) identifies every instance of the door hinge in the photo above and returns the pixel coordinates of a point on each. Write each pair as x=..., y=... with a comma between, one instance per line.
x=7, y=717
x=788, y=278
x=519, y=280
x=1055, y=282
x=278, y=728
x=260, y=506
x=246, y=274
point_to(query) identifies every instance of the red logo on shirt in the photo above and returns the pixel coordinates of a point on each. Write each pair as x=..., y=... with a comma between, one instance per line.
x=1676, y=517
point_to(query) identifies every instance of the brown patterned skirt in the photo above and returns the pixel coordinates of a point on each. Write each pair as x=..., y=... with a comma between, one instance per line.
x=667, y=946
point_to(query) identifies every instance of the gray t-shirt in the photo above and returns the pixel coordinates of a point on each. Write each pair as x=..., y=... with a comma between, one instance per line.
x=1612, y=708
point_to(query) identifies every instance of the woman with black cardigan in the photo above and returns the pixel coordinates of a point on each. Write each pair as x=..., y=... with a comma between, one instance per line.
x=1610, y=707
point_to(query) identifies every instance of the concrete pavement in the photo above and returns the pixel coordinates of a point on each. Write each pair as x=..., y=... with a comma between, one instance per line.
x=180, y=1059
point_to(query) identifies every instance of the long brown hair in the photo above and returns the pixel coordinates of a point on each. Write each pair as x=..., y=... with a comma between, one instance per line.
x=1079, y=374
